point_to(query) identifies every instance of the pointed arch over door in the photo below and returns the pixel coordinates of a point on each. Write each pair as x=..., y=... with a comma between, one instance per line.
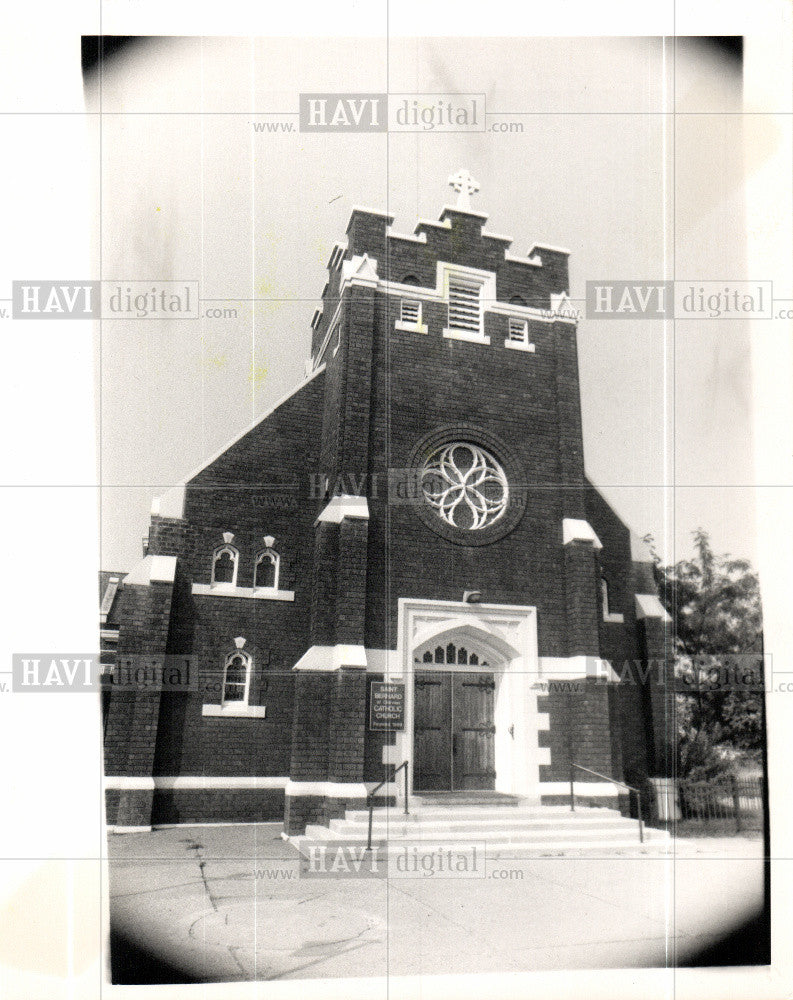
x=454, y=678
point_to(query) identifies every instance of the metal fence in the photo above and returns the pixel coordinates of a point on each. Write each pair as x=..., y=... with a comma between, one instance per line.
x=740, y=800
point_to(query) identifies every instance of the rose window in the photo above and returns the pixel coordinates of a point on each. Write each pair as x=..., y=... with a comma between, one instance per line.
x=465, y=485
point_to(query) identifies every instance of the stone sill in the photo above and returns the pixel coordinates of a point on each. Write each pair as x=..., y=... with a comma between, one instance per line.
x=227, y=590
x=472, y=338
x=410, y=327
x=516, y=345
x=234, y=711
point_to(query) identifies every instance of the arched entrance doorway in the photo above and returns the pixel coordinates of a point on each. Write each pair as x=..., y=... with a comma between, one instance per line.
x=454, y=714
x=471, y=713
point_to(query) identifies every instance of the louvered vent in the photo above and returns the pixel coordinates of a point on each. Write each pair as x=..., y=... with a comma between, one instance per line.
x=411, y=311
x=464, y=305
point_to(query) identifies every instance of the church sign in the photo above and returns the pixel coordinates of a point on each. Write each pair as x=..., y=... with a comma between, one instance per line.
x=386, y=706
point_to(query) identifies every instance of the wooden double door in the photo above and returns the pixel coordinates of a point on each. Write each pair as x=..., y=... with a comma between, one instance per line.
x=454, y=733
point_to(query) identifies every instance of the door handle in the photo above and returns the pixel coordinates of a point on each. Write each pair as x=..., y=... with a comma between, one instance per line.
x=454, y=743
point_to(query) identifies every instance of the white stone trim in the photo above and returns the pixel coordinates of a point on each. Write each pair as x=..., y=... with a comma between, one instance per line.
x=334, y=320
x=467, y=335
x=326, y=789
x=343, y=506
x=510, y=633
x=370, y=211
x=359, y=270
x=234, y=552
x=649, y=606
x=417, y=326
x=191, y=782
x=421, y=238
x=521, y=312
x=431, y=222
x=514, y=345
x=171, y=503
x=396, y=288
x=152, y=569
x=550, y=246
x=563, y=309
x=544, y=755
x=124, y=783
x=464, y=211
x=129, y=829
x=575, y=530
x=410, y=327
x=496, y=236
x=533, y=260
x=234, y=711
x=328, y=658
x=108, y=597
x=543, y=722
x=601, y=789
x=489, y=305
x=227, y=590
x=338, y=251
x=199, y=782
x=610, y=617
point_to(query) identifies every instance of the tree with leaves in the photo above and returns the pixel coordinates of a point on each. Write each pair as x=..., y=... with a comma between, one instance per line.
x=714, y=603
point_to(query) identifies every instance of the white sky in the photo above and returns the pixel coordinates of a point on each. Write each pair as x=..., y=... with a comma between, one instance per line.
x=599, y=168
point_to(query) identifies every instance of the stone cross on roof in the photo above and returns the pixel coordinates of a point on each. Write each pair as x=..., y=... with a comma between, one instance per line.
x=463, y=183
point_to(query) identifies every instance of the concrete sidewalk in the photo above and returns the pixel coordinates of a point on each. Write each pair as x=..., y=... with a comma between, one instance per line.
x=230, y=903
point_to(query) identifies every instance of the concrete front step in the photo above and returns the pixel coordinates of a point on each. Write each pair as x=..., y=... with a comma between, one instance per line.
x=473, y=830
x=444, y=826
x=655, y=843
x=492, y=836
x=482, y=812
x=496, y=829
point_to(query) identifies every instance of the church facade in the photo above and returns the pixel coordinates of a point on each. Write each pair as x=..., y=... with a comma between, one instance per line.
x=402, y=561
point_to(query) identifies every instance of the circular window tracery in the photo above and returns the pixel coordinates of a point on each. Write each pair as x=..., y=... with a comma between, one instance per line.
x=465, y=485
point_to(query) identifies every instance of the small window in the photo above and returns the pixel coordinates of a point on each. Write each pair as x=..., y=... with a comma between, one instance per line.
x=410, y=279
x=518, y=335
x=410, y=318
x=265, y=574
x=465, y=306
x=224, y=565
x=518, y=331
x=236, y=679
x=517, y=300
x=410, y=312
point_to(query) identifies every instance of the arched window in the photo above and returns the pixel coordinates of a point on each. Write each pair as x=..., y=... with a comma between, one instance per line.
x=451, y=655
x=265, y=575
x=236, y=678
x=517, y=300
x=409, y=279
x=224, y=565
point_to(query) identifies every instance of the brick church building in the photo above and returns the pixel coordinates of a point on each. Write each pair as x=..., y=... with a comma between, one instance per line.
x=416, y=511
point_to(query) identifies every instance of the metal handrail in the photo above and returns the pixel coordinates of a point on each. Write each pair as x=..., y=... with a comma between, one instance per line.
x=376, y=789
x=614, y=781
